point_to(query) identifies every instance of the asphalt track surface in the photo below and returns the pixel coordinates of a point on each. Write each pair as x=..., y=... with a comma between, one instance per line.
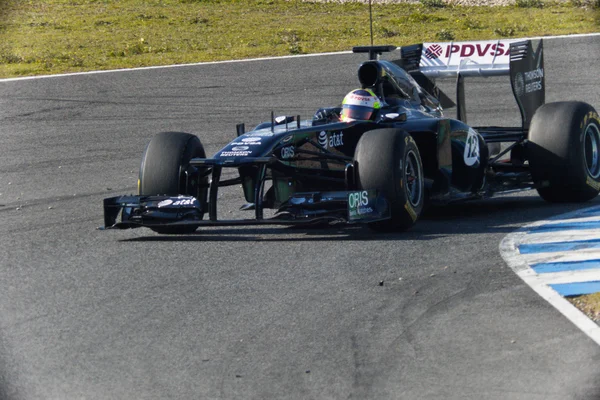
x=260, y=313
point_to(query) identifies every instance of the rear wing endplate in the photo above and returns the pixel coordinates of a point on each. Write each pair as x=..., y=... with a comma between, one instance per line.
x=522, y=60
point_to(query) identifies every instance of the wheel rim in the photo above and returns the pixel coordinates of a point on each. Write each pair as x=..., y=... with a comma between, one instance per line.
x=413, y=178
x=592, y=150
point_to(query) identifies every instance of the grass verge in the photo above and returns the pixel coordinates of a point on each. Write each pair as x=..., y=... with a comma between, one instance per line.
x=588, y=304
x=57, y=36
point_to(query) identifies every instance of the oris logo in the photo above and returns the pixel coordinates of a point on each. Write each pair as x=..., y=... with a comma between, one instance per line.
x=240, y=148
x=287, y=152
x=358, y=204
x=358, y=199
x=433, y=51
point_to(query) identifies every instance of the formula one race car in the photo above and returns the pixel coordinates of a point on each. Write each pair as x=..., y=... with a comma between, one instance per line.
x=381, y=167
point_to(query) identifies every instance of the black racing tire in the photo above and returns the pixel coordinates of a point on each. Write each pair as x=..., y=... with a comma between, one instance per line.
x=564, y=151
x=388, y=160
x=161, y=173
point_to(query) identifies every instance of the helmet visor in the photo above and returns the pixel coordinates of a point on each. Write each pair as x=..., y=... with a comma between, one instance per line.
x=353, y=112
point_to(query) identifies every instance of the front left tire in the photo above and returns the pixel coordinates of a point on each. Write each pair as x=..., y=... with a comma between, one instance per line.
x=163, y=167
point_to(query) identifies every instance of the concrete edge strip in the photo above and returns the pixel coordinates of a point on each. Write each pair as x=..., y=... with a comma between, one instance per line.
x=238, y=61
x=510, y=254
x=108, y=71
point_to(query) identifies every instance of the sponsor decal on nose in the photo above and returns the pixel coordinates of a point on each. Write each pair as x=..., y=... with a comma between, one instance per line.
x=323, y=139
x=287, y=152
x=165, y=203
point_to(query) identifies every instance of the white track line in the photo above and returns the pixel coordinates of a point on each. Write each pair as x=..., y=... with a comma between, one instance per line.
x=561, y=256
x=588, y=234
x=108, y=71
x=539, y=282
x=25, y=78
x=556, y=278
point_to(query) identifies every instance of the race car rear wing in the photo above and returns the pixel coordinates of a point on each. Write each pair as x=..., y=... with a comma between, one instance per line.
x=523, y=60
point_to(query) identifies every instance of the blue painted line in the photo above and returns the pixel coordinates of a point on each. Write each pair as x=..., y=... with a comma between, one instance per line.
x=545, y=268
x=565, y=226
x=577, y=288
x=535, y=248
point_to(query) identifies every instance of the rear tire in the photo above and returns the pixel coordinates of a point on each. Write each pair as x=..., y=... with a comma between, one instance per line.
x=165, y=159
x=388, y=160
x=564, y=151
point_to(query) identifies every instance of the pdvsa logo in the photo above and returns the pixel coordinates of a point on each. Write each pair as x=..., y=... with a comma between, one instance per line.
x=483, y=49
x=479, y=49
x=332, y=140
x=434, y=51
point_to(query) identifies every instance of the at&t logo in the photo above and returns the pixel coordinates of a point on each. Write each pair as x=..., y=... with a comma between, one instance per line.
x=332, y=140
x=323, y=139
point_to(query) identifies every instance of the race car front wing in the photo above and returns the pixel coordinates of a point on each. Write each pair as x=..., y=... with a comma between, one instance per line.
x=344, y=207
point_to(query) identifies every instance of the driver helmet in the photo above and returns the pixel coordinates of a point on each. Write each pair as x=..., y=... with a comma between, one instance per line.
x=360, y=104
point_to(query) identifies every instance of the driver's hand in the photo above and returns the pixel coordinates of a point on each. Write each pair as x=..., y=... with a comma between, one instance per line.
x=326, y=114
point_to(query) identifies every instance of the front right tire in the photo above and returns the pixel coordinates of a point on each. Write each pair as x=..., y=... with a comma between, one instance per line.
x=388, y=160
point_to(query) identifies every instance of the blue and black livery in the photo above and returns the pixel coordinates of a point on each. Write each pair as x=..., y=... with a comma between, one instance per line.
x=379, y=172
